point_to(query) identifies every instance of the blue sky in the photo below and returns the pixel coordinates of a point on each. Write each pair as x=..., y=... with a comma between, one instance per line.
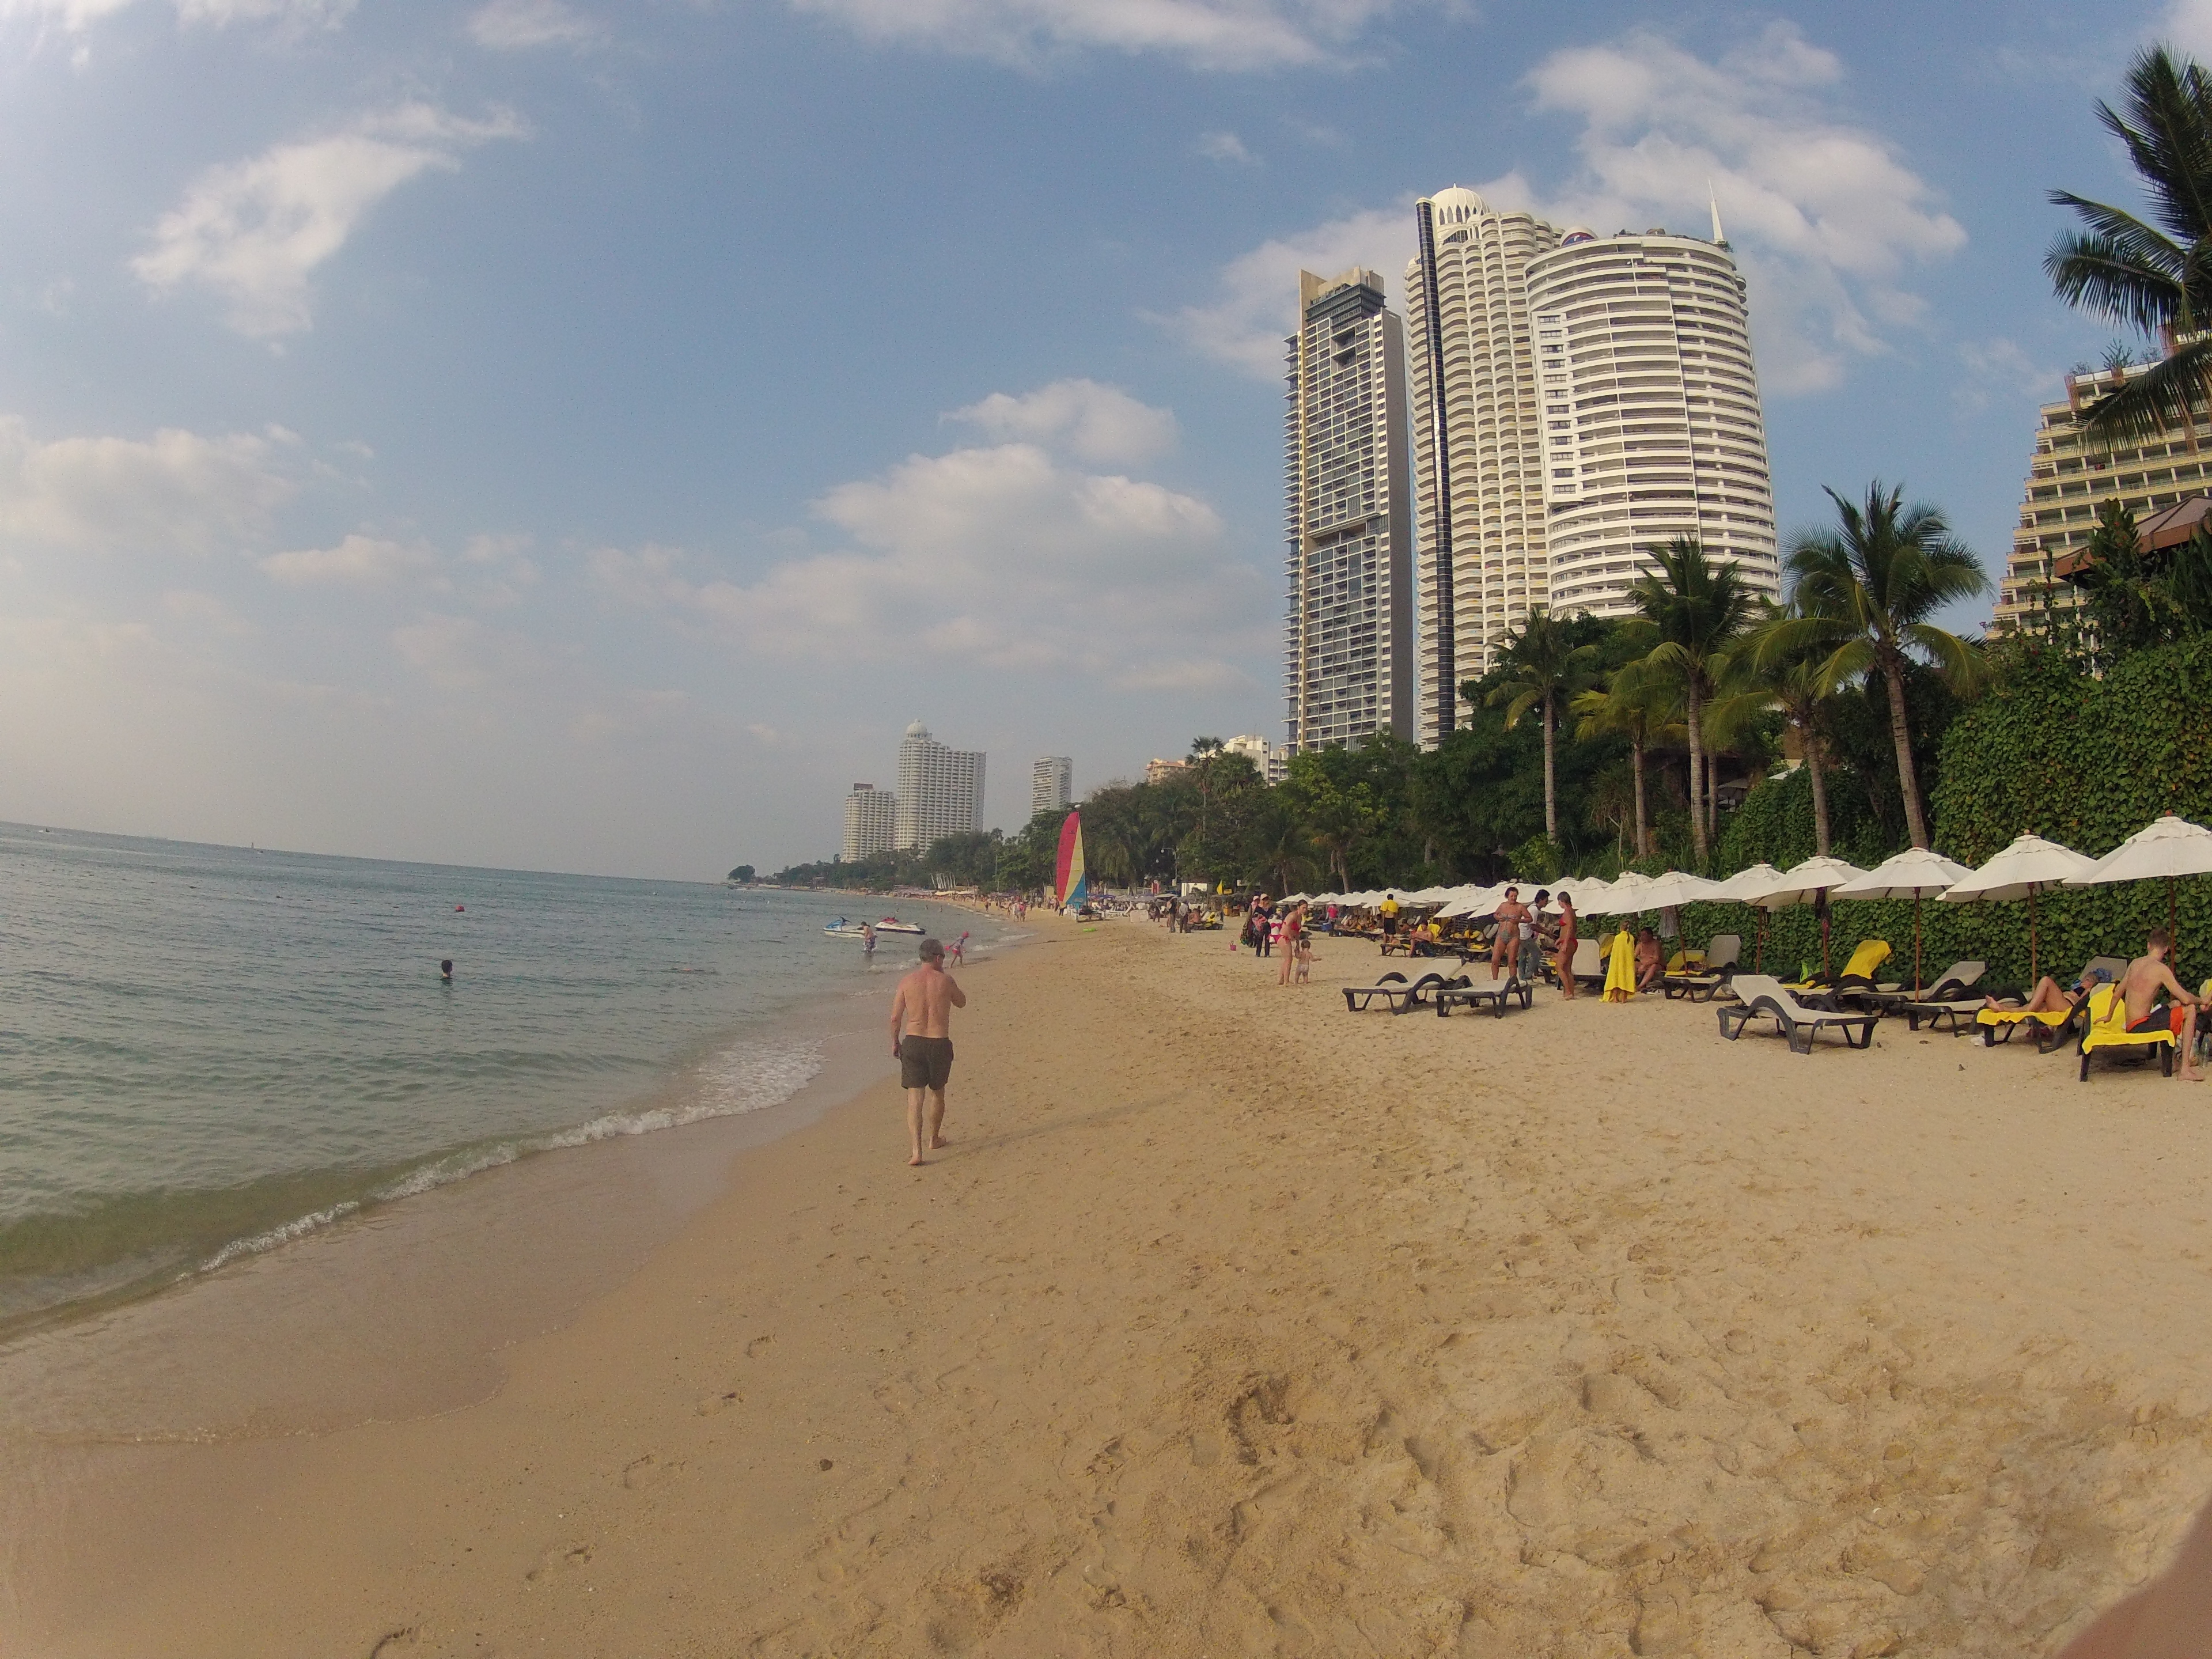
x=549, y=432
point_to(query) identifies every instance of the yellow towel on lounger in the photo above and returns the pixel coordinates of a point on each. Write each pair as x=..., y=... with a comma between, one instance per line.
x=1620, y=971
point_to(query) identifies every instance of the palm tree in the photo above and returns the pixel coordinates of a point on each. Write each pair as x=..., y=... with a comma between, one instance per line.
x=2156, y=276
x=1695, y=610
x=1860, y=596
x=1634, y=704
x=1788, y=676
x=1546, y=669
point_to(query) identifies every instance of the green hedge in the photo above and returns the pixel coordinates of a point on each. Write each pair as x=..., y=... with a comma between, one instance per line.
x=2047, y=750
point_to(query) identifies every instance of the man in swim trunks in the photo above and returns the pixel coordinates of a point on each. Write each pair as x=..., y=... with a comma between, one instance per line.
x=921, y=1042
x=2147, y=976
x=1388, y=912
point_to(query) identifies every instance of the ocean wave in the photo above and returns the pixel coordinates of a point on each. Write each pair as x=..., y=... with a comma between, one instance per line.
x=138, y=1241
x=739, y=1081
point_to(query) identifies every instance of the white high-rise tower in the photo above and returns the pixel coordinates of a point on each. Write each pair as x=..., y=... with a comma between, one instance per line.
x=1348, y=638
x=1478, y=445
x=1651, y=421
x=940, y=792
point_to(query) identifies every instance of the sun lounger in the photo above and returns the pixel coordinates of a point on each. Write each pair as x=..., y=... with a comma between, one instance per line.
x=1476, y=995
x=1858, y=975
x=1396, y=993
x=1996, y=1026
x=1702, y=984
x=2108, y=1030
x=1589, y=964
x=1951, y=997
x=1762, y=996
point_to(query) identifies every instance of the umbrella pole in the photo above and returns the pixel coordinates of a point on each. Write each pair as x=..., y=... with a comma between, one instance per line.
x=1824, y=936
x=1916, y=943
x=2172, y=930
x=2034, y=979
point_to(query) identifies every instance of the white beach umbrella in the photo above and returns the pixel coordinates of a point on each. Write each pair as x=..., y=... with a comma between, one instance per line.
x=1746, y=886
x=1460, y=898
x=2168, y=849
x=1623, y=896
x=2021, y=871
x=1675, y=889
x=1751, y=887
x=1804, y=883
x=1588, y=893
x=1914, y=874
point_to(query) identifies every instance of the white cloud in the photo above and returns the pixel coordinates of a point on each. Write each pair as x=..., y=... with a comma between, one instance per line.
x=355, y=561
x=1827, y=220
x=2189, y=25
x=1225, y=147
x=2002, y=366
x=1258, y=305
x=1092, y=422
x=1001, y=557
x=254, y=231
x=1225, y=34
x=526, y=25
x=77, y=16
x=1826, y=216
x=177, y=492
x=459, y=653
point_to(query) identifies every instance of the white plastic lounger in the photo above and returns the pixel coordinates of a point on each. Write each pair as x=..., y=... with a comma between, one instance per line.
x=1762, y=996
x=1704, y=984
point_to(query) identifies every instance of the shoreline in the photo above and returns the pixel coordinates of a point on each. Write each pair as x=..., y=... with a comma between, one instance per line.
x=1233, y=1322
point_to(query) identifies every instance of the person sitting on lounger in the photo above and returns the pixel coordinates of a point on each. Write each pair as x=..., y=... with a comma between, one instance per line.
x=1651, y=967
x=2049, y=999
x=2147, y=978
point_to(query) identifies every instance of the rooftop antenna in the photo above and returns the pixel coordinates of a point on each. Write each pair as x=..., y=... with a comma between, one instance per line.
x=1719, y=239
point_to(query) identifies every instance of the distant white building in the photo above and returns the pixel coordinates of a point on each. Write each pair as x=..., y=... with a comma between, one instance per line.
x=1271, y=760
x=868, y=822
x=1051, y=784
x=940, y=792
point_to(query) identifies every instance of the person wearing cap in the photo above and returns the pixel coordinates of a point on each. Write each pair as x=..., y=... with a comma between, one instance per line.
x=921, y=1042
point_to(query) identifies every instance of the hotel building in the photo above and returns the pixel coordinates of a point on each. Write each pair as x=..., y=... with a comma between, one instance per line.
x=868, y=822
x=940, y=792
x=1051, y=784
x=2069, y=475
x=1271, y=760
x=1651, y=421
x=1479, y=473
x=1348, y=638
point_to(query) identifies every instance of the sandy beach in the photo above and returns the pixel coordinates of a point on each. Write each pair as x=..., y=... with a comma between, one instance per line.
x=1233, y=1323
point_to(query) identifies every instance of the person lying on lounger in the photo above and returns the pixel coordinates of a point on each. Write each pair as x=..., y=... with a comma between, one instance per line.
x=1651, y=967
x=2049, y=999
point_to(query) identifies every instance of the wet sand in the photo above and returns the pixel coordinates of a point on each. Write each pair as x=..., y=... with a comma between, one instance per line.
x=1234, y=1323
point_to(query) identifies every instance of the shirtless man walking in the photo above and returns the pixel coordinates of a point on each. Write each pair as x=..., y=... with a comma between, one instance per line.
x=2147, y=976
x=921, y=1042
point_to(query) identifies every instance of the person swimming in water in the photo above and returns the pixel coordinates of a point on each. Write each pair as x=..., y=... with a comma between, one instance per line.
x=446, y=971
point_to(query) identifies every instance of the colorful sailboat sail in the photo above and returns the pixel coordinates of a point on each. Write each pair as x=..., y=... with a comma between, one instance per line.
x=1069, y=884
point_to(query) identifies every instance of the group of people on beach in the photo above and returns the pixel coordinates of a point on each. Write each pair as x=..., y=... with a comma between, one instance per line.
x=1283, y=930
x=2146, y=983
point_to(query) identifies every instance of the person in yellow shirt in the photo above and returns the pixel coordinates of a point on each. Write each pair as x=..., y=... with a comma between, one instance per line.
x=1389, y=912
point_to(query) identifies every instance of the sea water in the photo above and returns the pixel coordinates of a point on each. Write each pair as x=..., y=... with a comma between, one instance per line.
x=207, y=1051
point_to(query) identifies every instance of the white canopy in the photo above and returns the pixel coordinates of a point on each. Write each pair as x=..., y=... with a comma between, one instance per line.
x=1676, y=888
x=2029, y=864
x=1588, y=892
x=1748, y=886
x=1623, y=896
x=2171, y=847
x=1801, y=882
x=1914, y=874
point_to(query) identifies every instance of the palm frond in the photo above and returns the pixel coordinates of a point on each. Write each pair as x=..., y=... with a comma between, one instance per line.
x=2096, y=275
x=2175, y=392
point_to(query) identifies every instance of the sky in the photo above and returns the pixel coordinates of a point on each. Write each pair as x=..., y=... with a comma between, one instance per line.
x=558, y=434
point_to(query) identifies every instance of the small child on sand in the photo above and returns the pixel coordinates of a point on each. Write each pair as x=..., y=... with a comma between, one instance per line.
x=1305, y=960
